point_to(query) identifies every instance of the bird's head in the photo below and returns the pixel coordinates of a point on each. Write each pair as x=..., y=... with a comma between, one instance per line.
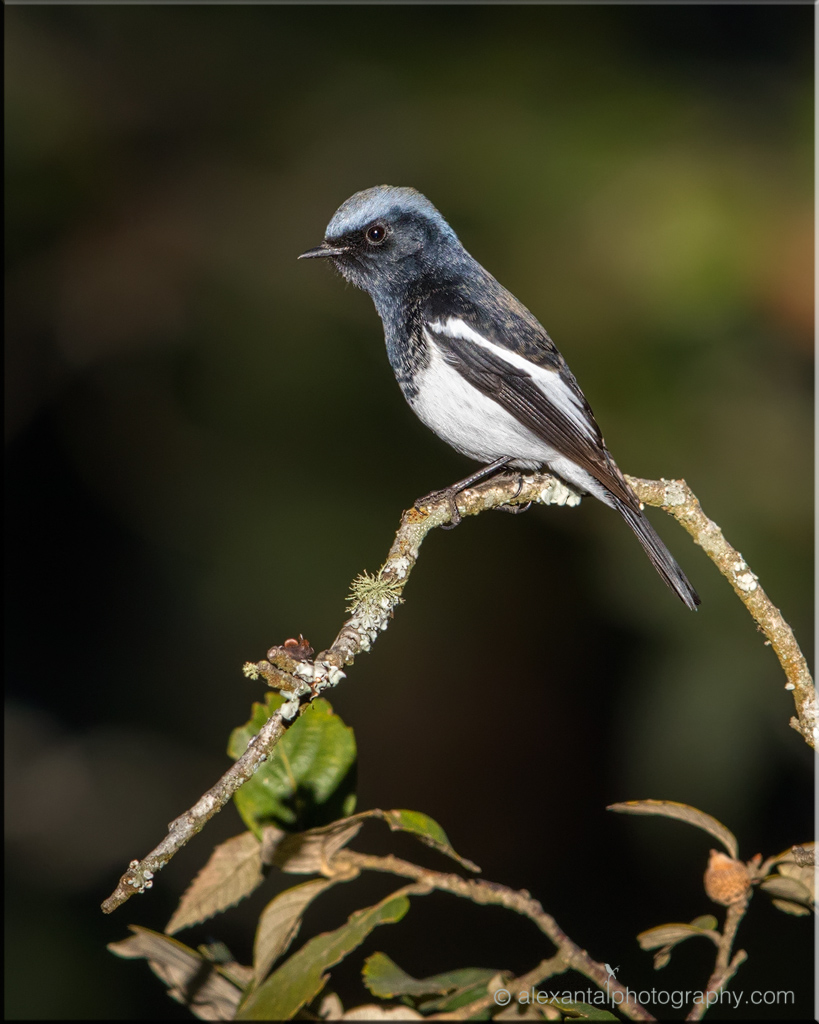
x=386, y=237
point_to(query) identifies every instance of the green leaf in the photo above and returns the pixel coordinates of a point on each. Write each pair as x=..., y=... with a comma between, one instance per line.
x=279, y=924
x=707, y=921
x=385, y=979
x=301, y=977
x=313, y=850
x=308, y=780
x=427, y=830
x=682, y=812
x=191, y=979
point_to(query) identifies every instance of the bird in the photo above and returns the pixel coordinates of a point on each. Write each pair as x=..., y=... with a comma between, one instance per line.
x=473, y=362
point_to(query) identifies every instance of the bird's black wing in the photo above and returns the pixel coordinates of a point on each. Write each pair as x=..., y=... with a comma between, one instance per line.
x=571, y=430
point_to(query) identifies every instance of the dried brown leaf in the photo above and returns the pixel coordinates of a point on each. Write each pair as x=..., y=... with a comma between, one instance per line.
x=308, y=853
x=233, y=871
x=191, y=980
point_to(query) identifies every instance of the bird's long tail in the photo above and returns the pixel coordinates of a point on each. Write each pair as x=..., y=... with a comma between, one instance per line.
x=661, y=558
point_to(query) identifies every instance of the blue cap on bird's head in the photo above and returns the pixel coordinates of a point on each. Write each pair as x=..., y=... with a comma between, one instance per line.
x=373, y=232
x=384, y=202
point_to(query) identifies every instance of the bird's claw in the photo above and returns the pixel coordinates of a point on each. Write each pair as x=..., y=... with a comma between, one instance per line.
x=513, y=510
x=449, y=494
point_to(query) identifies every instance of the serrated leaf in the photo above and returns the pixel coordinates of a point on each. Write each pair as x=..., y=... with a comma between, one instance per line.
x=279, y=923
x=233, y=871
x=309, y=778
x=786, y=889
x=682, y=812
x=791, y=908
x=190, y=978
x=301, y=977
x=671, y=934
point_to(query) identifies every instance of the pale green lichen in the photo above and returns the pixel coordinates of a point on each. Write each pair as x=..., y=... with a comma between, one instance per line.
x=373, y=590
x=747, y=582
x=674, y=492
x=557, y=493
x=250, y=670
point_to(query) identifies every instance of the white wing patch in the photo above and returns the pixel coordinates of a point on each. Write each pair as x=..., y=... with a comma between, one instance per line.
x=477, y=426
x=547, y=381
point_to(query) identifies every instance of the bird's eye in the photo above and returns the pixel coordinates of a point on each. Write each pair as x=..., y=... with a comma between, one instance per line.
x=376, y=234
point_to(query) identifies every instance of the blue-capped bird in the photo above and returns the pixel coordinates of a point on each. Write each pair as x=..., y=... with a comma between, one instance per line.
x=474, y=364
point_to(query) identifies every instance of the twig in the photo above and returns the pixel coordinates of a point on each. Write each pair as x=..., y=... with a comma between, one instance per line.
x=676, y=498
x=376, y=597
x=139, y=875
x=479, y=891
x=723, y=969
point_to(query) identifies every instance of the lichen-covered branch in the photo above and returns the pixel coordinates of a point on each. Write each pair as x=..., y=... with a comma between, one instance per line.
x=569, y=955
x=139, y=875
x=300, y=678
x=676, y=498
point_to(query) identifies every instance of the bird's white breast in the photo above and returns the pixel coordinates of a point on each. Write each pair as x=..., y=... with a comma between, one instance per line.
x=468, y=420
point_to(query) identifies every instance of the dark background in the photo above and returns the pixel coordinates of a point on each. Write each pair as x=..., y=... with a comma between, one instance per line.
x=205, y=444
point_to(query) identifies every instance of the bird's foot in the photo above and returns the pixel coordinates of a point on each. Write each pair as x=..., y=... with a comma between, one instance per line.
x=514, y=510
x=448, y=494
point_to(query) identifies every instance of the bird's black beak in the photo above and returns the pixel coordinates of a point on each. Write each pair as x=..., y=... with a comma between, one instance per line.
x=325, y=249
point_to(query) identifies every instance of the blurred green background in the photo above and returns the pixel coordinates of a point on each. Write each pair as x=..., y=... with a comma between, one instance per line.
x=205, y=444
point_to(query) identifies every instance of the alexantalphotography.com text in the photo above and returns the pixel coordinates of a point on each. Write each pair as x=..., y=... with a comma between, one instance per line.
x=676, y=998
